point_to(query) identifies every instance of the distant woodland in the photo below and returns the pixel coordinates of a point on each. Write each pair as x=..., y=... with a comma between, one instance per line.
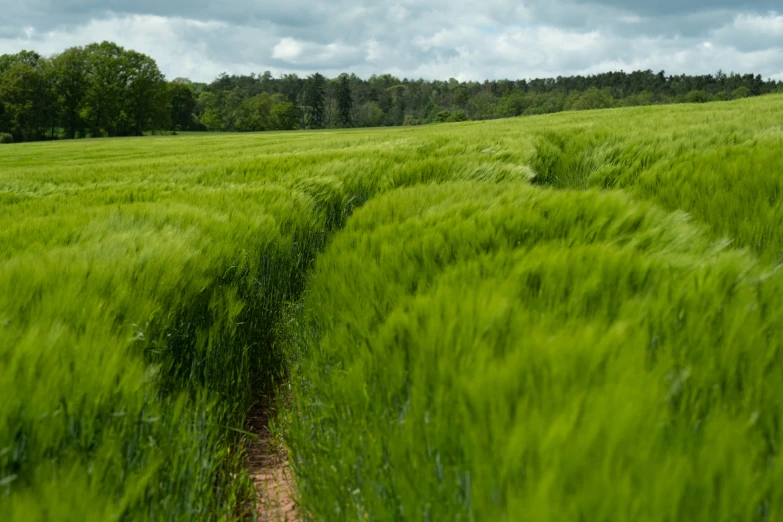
x=105, y=90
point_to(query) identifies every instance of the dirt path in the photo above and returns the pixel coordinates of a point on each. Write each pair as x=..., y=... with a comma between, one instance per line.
x=268, y=467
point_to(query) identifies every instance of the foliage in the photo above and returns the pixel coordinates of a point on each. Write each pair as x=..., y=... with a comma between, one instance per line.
x=592, y=99
x=105, y=90
x=28, y=102
x=442, y=117
x=101, y=89
x=6, y=138
x=344, y=101
x=70, y=84
x=314, y=100
x=183, y=103
x=698, y=97
x=457, y=116
x=369, y=114
x=255, y=113
x=741, y=92
x=284, y=116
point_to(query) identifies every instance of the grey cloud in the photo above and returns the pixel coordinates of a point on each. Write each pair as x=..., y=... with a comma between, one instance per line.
x=496, y=38
x=678, y=7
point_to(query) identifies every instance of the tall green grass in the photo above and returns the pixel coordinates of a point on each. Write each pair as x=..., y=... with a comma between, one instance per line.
x=722, y=165
x=141, y=282
x=475, y=343
x=511, y=352
x=507, y=353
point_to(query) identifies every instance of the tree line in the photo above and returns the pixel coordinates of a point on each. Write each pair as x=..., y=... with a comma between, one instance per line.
x=103, y=89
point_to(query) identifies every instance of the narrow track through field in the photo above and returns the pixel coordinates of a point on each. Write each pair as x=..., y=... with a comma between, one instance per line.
x=268, y=468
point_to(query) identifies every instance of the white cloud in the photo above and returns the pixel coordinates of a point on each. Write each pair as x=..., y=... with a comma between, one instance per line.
x=373, y=52
x=313, y=54
x=287, y=49
x=752, y=31
x=408, y=38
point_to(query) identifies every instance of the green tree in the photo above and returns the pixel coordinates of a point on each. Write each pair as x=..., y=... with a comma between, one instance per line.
x=290, y=85
x=104, y=89
x=106, y=81
x=230, y=107
x=461, y=97
x=314, y=101
x=31, y=58
x=741, y=92
x=28, y=101
x=254, y=113
x=396, y=113
x=344, y=100
x=513, y=103
x=210, y=116
x=145, y=92
x=49, y=103
x=593, y=98
x=483, y=105
x=698, y=96
x=284, y=115
x=369, y=114
x=3, y=119
x=643, y=98
x=183, y=103
x=442, y=117
x=457, y=116
x=70, y=79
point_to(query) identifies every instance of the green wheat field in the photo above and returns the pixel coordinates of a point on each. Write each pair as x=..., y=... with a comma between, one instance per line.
x=573, y=317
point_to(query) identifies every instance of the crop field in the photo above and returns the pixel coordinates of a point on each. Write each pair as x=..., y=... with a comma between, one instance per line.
x=573, y=317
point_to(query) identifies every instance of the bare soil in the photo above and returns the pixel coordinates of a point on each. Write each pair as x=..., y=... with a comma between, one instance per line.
x=267, y=465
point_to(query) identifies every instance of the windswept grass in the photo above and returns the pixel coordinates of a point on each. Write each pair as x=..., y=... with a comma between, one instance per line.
x=469, y=351
x=141, y=281
x=508, y=353
x=721, y=165
x=471, y=345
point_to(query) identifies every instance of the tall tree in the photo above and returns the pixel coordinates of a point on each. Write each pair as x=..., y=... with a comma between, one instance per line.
x=254, y=113
x=104, y=95
x=145, y=92
x=183, y=103
x=70, y=79
x=314, y=101
x=344, y=100
x=104, y=89
x=284, y=114
x=3, y=119
x=28, y=101
x=31, y=58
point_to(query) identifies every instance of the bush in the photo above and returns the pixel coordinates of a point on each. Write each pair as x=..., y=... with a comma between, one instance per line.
x=741, y=92
x=6, y=138
x=285, y=116
x=457, y=116
x=442, y=117
x=592, y=99
x=698, y=97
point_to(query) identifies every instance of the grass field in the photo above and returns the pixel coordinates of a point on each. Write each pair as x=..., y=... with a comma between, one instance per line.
x=570, y=317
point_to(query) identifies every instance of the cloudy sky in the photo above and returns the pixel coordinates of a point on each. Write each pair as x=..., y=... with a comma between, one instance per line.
x=463, y=39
